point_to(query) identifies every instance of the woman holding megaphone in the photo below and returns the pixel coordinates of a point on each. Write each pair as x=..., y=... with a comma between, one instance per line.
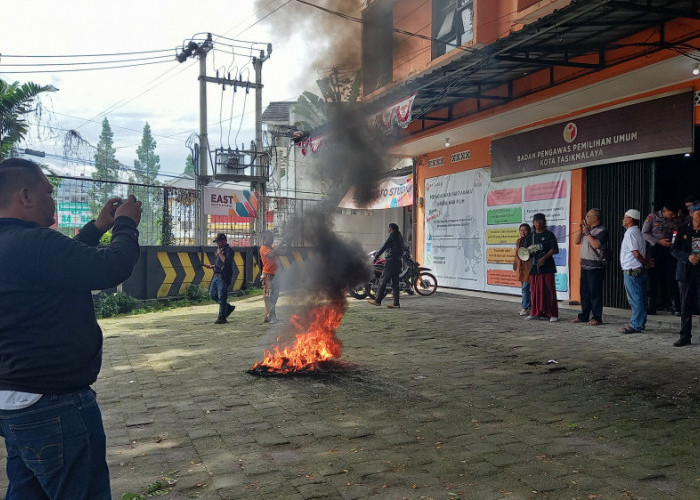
x=521, y=266
x=541, y=246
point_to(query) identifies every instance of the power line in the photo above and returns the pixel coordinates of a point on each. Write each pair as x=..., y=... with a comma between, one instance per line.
x=122, y=103
x=83, y=69
x=84, y=63
x=92, y=55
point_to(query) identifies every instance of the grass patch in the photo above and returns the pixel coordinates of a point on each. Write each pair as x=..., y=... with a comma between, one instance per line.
x=109, y=305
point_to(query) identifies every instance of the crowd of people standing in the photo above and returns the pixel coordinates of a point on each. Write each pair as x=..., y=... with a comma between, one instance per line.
x=659, y=258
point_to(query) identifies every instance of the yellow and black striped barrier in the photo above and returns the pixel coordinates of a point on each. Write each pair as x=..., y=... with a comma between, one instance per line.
x=168, y=271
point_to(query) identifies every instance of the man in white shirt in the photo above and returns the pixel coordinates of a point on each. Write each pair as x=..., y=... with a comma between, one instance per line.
x=633, y=262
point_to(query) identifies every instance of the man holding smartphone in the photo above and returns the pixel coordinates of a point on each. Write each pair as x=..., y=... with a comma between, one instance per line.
x=50, y=341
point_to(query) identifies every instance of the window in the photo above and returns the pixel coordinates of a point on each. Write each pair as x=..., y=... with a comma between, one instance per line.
x=453, y=25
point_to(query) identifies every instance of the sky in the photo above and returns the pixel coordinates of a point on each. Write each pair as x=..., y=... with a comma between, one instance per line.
x=165, y=95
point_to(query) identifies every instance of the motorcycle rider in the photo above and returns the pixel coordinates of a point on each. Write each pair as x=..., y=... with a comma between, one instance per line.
x=393, y=246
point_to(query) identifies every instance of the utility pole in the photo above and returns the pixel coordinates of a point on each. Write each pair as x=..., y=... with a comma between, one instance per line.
x=259, y=175
x=260, y=163
x=201, y=176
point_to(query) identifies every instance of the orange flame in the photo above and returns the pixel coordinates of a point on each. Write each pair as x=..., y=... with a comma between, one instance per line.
x=314, y=341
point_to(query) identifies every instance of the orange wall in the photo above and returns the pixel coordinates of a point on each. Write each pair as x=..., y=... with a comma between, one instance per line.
x=411, y=54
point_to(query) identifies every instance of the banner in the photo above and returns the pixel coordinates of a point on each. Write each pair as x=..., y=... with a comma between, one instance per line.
x=471, y=226
x=398, y=114
x=392, y=192
x=240, y=202
x=455, y=228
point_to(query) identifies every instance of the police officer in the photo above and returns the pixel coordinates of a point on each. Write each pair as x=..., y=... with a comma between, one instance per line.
x=658, y=231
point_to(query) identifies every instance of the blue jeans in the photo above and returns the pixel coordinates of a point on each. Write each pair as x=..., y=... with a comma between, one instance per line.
x=636, y=288
x=218, y=291
x=526, y=302
x=56, y=449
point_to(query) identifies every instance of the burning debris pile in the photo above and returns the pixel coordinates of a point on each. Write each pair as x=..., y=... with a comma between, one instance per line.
x=319, y=293
x=314, y=342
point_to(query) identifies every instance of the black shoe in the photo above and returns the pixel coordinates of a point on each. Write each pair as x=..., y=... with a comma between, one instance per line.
x=220, y=321
x=229, y=309
x=681, y=342
x=629, y=329
x=651, y=312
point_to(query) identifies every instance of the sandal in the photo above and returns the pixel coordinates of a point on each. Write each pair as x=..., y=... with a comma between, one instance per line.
x=576, y=320
x=594, y=322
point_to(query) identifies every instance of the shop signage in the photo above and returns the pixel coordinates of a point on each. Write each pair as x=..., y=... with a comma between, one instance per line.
x=391, y=192
x=646, y=129
x=230, y=202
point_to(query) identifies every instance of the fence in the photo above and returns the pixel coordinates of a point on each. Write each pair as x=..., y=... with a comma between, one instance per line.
x=169, y=213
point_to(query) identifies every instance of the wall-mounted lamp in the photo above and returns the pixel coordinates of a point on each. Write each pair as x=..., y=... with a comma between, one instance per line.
x=696, y=70
x=447, y=142
x=687, y=155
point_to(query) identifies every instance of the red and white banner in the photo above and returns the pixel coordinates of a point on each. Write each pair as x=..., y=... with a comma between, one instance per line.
x=398, y=114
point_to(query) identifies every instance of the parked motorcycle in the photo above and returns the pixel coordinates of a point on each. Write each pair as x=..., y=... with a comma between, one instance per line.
x=413, y=278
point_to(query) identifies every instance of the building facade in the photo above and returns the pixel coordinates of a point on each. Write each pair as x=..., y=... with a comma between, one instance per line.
x=513, y=107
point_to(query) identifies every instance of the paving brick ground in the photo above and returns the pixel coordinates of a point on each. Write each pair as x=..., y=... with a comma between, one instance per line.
x=449, y=397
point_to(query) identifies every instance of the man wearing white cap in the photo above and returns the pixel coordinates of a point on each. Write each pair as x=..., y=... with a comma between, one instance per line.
x=633, y=262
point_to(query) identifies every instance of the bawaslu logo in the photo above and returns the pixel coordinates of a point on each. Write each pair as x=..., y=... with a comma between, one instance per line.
x=570, y=132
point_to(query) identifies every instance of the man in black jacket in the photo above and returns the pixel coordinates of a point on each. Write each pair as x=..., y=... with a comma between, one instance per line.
x=686, y=249
x=393, y=246
x=50, y=342
x=223, y=274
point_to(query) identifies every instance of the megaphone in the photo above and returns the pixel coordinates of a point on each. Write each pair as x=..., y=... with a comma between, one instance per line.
x=524, y=253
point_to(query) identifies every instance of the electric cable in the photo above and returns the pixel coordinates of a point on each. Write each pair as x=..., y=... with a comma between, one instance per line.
x=81, y=69
x=84, y=63
x=90, y=55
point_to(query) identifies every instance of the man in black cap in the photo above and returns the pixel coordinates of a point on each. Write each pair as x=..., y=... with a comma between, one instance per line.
x=223, y=272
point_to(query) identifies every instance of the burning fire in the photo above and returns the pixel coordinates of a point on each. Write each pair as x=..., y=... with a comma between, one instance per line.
x=314, y=341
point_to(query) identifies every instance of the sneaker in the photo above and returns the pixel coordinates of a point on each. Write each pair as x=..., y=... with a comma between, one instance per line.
x=394, y=306
x=373, y=302
x=524, y=312
x=229, y=309
x=531, y=317
x=629, y=329
x=553, y=319
x=220, y=321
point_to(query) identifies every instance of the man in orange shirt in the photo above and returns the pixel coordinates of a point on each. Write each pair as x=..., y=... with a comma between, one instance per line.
x=271, y=285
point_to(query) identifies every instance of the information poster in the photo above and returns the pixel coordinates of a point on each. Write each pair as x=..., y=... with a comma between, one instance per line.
x=455, y=228
x=471, y=226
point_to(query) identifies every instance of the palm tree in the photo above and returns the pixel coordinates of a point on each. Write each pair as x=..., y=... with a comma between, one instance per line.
x=16, y=101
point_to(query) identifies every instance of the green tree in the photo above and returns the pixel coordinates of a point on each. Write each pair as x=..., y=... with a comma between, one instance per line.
x=148, y=163
x=106, y=169
x=189, y=166
x=336, y=90
x=16, y=102
x=146, y=168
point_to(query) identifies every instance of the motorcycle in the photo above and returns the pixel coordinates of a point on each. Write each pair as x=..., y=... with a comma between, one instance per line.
x=412, y=279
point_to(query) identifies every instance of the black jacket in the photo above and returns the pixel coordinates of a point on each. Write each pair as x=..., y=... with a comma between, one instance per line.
x=50, y=342
x=225, y=268
x=681, y=250
x=393, y=246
